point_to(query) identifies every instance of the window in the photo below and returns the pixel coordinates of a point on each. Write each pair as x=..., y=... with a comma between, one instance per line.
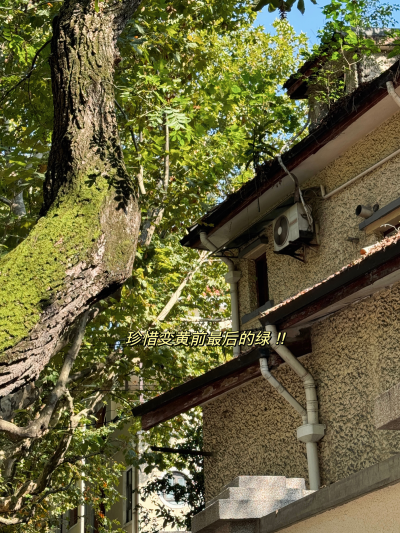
x=168, y=498
x=60, y=528
x=73, y=517
x=128, y=494
x=101, y=417
x=89, y=519
x=262, y=280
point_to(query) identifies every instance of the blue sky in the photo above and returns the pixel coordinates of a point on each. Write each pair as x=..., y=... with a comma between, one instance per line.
x=310, y=22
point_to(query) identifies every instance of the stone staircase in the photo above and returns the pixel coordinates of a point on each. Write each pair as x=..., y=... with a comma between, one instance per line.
x=244, y=500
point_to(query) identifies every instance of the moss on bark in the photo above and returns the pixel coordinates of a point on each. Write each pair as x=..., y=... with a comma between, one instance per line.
x=83, y=247
x=32, y=274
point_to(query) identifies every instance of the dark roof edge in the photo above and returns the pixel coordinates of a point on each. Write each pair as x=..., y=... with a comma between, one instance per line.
x=242, y=361
x=343, y=278
x=320, y=56
x=315, y=60
x=344, y=113
x=380, y=213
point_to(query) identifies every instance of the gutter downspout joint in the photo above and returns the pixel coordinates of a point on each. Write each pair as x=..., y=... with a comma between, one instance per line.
x=311, y=431
x=281, y=389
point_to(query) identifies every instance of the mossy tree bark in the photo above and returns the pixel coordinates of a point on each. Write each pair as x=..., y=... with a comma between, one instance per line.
x=83, y=247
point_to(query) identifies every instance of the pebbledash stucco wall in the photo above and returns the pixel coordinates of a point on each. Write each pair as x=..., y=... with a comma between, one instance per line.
x=355, y=353
x=378, y=512
x=336, y=215
x=252, y=430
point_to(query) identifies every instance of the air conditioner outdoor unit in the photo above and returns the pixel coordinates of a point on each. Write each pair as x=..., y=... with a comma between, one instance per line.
x=291, y=230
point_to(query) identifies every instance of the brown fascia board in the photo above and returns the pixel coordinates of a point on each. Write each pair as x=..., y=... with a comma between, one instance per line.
x=200, y=395
x=344, y=112
x=214, y=383
x=177, y=393
x=374, y=267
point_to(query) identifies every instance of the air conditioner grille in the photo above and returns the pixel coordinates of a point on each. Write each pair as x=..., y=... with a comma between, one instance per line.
x=281, y=230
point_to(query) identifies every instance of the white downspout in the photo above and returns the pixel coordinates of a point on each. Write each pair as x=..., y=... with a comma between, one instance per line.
x=311, y=431
x=232, y=277
x=281, y=389
x=392, y=92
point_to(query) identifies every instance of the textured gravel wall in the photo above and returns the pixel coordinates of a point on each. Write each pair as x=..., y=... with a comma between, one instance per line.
x=336, y=216
x=355, y=352
x=252, y=431
x=247, y=286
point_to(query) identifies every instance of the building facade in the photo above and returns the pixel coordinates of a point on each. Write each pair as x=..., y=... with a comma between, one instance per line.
x=130, y=510
x=334, y=290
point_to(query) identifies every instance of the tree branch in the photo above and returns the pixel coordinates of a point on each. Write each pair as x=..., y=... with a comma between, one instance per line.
x=55, y=491
x=123, y=12
x=141, y=181
x=76, y=458
x=140, y=174
x=175, y=297
x=27, y=395
x=19, y=205
x=98, y=367
x=12, y=457
x=62, y=448
x=166, y=157
x=154, y=218
x=21, y=399
x=6, y=201
x=38, y=427
x=11, y=521
x=28, y=74
x=155, y=215
x=15, y=502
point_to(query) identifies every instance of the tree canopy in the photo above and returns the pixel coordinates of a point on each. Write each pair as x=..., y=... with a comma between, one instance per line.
x=121, y=124
x=192, y=84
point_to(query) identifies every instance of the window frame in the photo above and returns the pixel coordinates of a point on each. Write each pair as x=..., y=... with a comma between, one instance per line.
x=128, y=489
x=73, y=517
x=174, y=505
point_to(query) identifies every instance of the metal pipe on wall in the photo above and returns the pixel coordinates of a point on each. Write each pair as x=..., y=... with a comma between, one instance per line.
x=281, y=389
x=391, y=90
x=361, y=175
x=311, y=431
x=396, y=98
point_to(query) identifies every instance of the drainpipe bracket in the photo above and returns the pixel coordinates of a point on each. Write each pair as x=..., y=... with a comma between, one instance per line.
x=233, y=276
x=310, y=432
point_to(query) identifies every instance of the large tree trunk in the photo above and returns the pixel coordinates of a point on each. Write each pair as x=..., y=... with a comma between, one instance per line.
x=83, y=247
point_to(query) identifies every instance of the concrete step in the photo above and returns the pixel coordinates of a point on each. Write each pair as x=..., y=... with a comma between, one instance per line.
x=255, y=482
x=295, y=483
x=263, y=493
x=236, y=510
x=248, y=498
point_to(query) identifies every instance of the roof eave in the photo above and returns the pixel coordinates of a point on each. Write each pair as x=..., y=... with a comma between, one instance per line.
x=346, y=111
x=349, y=281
